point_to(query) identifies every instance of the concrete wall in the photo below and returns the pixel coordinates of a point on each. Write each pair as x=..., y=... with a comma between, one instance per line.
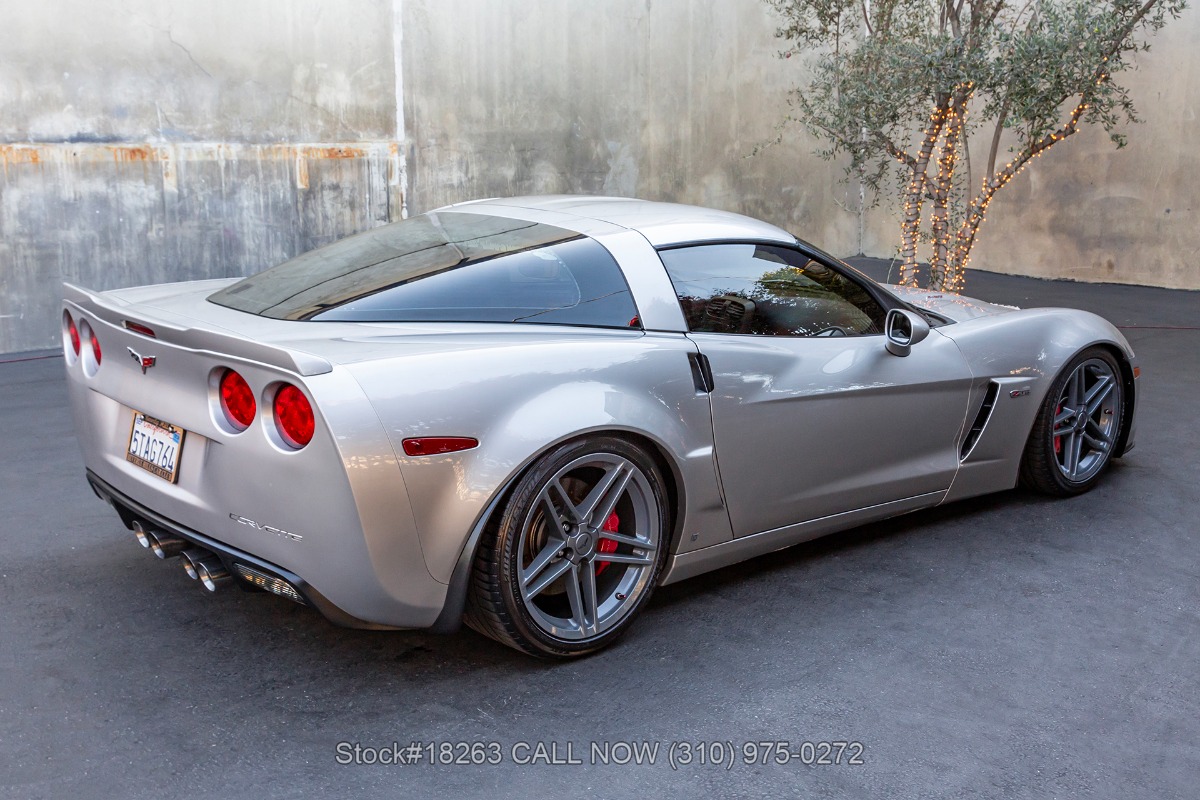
x=151, y=141
x=662, y=99
x=1088, y=211
x=146, y=141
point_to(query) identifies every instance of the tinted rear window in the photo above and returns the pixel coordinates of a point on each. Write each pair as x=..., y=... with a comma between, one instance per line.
x=446, y=267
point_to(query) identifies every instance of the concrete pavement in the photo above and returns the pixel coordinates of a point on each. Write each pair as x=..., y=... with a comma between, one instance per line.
x=1005, y=647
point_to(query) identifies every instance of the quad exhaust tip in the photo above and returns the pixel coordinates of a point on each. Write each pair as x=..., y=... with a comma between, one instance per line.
x=162, y=544
x=189, y=559
x=201, y=565
x=142, y=534
x=206, y=566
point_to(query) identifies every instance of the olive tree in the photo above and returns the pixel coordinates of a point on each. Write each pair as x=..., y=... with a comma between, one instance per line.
x=899, y=86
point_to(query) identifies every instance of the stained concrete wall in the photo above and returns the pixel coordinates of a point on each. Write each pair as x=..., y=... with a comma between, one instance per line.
x=153, y=141
x=147, y=141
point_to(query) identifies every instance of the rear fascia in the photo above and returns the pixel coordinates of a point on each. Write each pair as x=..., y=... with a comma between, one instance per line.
x=129, y=510
x=342, y=495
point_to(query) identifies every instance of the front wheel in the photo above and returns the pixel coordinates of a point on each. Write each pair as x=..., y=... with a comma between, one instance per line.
x=1076, y=429
x=576, y=553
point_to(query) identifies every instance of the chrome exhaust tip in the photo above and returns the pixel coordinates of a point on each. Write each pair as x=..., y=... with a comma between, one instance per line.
x=165, y=546
x=213, y=575
x=201, y=565
x=162, y=544
x=143, y=535
x=190, y=558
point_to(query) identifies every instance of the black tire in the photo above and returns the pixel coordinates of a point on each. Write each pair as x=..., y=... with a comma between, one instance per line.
x=506, y=599
x=1068, y=456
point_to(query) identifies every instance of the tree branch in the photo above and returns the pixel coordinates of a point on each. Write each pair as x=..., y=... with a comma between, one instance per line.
x=994, y=150
x=1119, y=41
x=995, y=12
x=900, y=155
x=953, y=17
x=978, y=206
x=1101, y=70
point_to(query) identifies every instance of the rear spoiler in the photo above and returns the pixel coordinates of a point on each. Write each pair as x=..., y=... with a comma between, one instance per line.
x=208, y=341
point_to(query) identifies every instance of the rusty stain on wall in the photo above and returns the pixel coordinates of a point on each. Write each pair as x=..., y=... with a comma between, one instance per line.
x=107, y=215
x=119, y=153
x=178, y=141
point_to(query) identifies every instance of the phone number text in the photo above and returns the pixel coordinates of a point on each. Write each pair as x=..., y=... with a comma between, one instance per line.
x=679, y=754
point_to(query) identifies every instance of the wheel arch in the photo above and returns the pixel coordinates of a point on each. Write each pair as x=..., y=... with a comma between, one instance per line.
x=1129, y=384
x=450, y=618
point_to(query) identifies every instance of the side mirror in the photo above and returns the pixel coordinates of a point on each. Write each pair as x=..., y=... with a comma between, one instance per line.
x=903, y=329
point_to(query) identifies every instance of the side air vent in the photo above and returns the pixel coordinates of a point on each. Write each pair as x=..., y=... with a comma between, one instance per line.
x=981, y=420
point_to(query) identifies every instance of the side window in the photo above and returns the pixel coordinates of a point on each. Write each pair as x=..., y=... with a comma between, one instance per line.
x=768, y=291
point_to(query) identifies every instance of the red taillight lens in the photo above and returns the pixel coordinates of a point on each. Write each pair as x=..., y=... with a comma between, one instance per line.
x=72, y=331
x=294, y=416
x=237, y=400
x=96, y=348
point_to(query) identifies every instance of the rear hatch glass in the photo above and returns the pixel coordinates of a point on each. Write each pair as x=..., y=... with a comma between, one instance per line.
x=446, y=266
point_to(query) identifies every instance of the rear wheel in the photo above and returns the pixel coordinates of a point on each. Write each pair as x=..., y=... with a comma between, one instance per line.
x=576, y=552
x=1076, y=430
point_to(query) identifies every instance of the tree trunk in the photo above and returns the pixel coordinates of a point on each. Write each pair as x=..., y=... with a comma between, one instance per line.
x=914, y=197
x=910, y=228
x=940, y=269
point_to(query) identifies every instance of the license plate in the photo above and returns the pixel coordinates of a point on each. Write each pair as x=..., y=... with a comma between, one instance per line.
x=155, y=446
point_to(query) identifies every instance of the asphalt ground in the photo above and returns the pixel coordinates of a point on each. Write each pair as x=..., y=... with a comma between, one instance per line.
x=1010, y=646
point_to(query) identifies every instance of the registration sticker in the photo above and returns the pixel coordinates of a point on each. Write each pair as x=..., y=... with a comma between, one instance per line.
x=155, y=446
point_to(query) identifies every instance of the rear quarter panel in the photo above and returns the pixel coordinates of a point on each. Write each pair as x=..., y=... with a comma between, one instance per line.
x=520, y=393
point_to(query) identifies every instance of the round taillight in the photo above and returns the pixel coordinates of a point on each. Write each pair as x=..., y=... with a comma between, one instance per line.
x=95, y=348
x=294, y=416
x=72, y=332
x=237, y=400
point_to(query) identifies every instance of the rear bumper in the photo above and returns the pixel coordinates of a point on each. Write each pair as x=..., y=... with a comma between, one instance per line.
x=130, y=510
x=334, y=516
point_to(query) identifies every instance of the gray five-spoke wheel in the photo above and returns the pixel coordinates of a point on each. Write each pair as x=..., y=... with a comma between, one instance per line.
x=1088, y=411
x=588, y=546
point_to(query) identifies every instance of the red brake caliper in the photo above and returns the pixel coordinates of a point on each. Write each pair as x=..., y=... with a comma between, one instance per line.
x=611, y=525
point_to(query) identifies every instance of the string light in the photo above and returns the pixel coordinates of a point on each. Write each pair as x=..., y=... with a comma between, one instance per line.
x=946, y=125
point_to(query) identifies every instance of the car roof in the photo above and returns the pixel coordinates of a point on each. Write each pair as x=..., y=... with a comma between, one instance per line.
x=663, y=224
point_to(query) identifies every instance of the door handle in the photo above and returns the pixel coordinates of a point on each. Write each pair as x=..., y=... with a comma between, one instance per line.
x=702, y=375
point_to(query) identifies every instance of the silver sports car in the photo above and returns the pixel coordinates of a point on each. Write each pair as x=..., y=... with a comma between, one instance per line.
x=527, y=413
